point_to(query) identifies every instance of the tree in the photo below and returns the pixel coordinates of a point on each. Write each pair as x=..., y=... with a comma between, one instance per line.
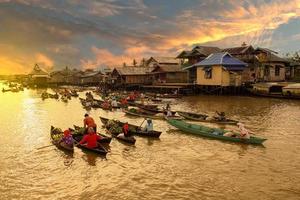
x=293, y=56
x=143, y=62
x=134, y=62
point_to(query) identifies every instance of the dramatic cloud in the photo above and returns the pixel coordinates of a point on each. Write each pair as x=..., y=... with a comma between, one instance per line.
x=91, y=34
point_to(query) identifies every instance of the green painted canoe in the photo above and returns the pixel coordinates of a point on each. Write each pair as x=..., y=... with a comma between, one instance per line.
x=214, y=133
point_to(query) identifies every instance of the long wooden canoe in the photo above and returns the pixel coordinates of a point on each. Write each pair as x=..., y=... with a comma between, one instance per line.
x=203, y=118
x=133, y=129
x=162, y=117
x=56, y=136
x=142, y=115
x=214, y=133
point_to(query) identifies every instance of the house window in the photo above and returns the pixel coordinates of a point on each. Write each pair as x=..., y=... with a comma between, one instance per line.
x=208, y=73
x=277, y=70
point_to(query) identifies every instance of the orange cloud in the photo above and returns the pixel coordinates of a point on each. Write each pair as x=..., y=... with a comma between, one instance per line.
x=8, y=66
x=104, y=57
x=42, y=59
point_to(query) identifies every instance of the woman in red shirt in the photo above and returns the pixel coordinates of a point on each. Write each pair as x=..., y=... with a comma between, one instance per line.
x=90, y=139
x=126, y=129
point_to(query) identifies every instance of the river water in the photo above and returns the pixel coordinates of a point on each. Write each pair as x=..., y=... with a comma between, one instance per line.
x=177, y=166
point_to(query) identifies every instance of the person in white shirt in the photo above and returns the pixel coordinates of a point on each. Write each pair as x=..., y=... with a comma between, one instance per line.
x=149, y=125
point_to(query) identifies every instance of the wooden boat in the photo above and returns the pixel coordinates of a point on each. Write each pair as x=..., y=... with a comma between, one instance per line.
x=156, y=100
x=121, y=137
x=167, y=96
x=133, y=129
x=5, y=90
x=149, y=116
x=214, y=133
x=64, y=99
x=156, y=110
x=98, y=150
x=150, y=106
x=192, y=116
x=56, y=136
x=142, y=115
x=78, y=132
x=203, y=118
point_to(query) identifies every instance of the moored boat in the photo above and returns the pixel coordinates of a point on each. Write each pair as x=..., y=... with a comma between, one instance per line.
x=133, y=129
x=56, y=135
x=204, y=118
x=214, y=133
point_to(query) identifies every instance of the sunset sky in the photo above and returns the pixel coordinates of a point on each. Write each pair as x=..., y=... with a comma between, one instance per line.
x=90, y=33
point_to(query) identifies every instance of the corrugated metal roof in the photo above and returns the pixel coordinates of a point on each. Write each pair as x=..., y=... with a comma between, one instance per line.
x=224, y=59
x=205, y=50
x=199, y=50
x=169, y=68
x=164, y=60
x=134, y=70
x=238, y=50
x=90, y=74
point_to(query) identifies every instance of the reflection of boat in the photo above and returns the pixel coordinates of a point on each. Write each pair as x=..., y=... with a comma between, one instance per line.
x=56, y=137
x=214, y=133
x=133, y=129
x=203, y=118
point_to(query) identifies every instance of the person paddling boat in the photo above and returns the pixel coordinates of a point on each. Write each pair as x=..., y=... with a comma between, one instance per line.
x=90, y=139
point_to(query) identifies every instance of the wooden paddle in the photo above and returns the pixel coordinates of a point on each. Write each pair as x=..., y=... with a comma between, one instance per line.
x=44, y=147
x=142, y=123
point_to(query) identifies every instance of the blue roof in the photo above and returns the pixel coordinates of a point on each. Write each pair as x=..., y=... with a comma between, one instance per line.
x=224, y=59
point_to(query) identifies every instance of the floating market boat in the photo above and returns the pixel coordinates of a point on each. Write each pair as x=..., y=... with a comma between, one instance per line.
x=56, y=135
x=138, y=114
x=78, y=133
x=122, y=137
x=116, y=131
x=156, y=100
x=214, y=133
x=5, y=90
x=133, y=129
x=203, y=118
x=98, y=150
x=156, y=110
